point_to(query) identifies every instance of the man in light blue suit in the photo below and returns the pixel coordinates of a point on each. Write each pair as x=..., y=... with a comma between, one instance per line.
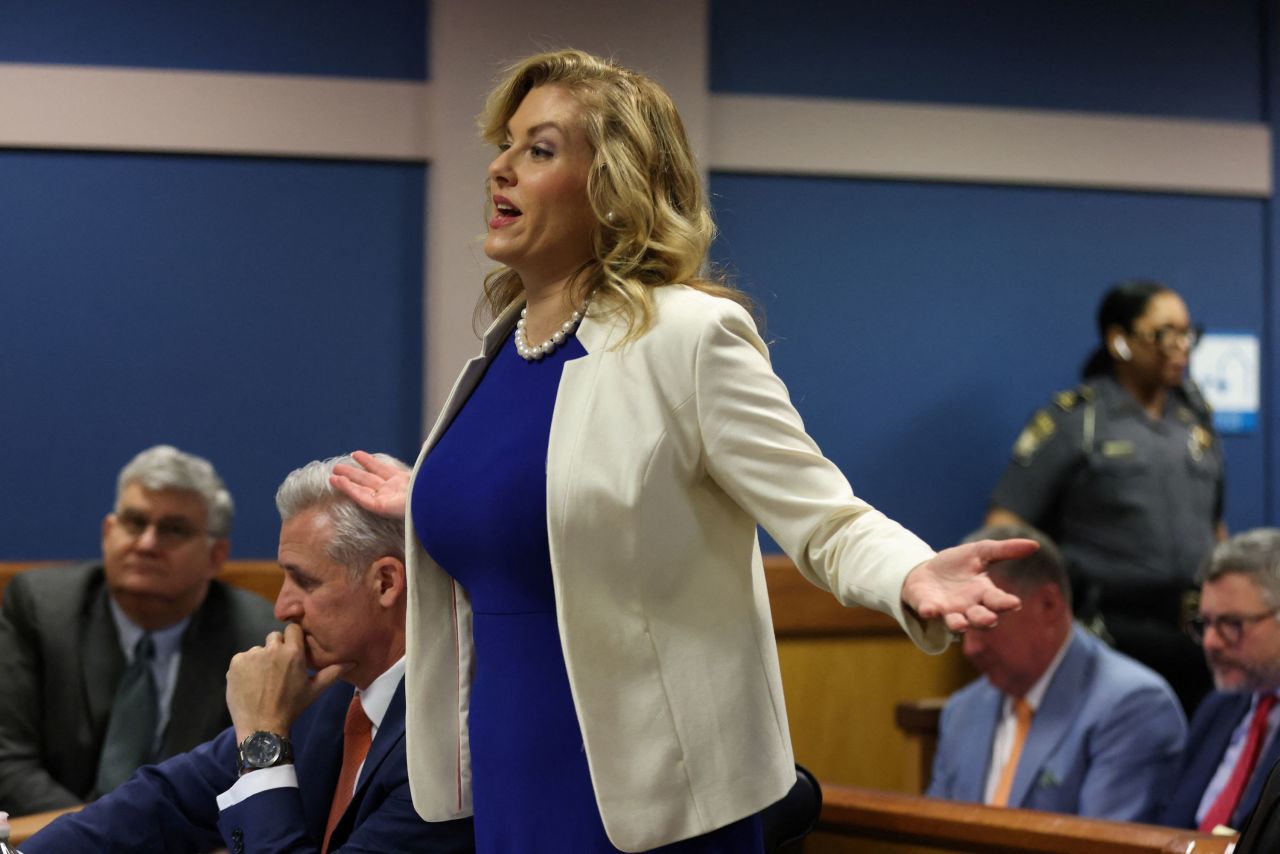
x=1059, y=721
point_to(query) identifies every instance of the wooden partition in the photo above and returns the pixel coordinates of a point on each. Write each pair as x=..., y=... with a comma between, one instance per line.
x=263, y=577
x=27, y=825
x=844, y=671
x=872, y=822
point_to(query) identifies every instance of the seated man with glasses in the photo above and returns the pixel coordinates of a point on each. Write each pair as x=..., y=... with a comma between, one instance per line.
x=110, y=665
x=1233, y=744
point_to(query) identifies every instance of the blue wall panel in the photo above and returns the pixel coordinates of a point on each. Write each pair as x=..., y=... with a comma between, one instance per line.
x=350, y=38
x=919, y=325
x=260, y=312
x=1172, y=57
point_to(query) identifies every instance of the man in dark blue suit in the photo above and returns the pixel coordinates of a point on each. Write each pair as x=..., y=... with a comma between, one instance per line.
x=310, y=763
x=1233, y=746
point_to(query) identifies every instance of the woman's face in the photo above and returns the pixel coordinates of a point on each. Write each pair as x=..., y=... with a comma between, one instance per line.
x=540, y=219
x=1160, y=341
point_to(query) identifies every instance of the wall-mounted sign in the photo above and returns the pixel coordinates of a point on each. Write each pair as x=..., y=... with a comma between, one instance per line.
x=1226, y=367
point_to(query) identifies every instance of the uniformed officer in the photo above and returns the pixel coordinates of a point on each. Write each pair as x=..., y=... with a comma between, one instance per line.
x=1125, y=473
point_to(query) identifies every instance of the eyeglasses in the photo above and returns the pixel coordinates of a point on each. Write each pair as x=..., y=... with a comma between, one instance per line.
x=169, y=531
x=1230, y=627
x=1170, y=339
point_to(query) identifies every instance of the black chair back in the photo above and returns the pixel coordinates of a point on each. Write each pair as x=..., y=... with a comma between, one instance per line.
x=795, y=816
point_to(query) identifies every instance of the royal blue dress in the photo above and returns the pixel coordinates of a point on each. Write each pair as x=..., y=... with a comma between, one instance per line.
x=480, y=509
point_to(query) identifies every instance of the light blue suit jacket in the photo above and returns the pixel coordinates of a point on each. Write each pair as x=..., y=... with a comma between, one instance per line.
x=1105, y=742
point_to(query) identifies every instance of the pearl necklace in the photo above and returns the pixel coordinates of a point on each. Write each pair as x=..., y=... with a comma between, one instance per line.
x=546, y=348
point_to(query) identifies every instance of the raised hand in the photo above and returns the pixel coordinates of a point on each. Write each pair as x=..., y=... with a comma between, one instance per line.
x=377, y=485
x=954, y=585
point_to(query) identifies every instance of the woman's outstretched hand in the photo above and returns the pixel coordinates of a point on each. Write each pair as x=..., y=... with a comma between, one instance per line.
x=376, y=485
x=954, y=585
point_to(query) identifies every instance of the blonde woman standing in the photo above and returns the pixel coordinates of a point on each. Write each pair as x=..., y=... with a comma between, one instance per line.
x=591, y=658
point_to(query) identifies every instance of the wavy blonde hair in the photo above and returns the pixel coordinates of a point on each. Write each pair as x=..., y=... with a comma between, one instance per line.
x=653, y=227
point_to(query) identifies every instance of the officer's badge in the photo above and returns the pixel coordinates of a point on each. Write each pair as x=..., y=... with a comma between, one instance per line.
x=1199, y=442
x=1033, y=436
x=1118, y=448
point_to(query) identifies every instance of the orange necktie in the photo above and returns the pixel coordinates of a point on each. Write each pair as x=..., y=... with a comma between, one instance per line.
x=357, y=734
x=1022, y=712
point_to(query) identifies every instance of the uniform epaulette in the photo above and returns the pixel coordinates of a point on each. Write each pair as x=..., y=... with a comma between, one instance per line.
x=1070, y=399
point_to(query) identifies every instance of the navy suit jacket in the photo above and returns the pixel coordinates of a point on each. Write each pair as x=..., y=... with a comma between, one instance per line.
x=1103, y=744
x=1211, y=727
x=172, y=806
x=1261, y=832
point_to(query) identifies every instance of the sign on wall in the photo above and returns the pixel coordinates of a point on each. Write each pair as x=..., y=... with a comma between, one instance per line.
x=1226, y=367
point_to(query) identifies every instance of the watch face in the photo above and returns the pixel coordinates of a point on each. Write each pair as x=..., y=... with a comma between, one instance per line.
x=262, y=749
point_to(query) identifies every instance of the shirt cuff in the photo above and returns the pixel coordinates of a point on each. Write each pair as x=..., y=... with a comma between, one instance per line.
x=279, y=777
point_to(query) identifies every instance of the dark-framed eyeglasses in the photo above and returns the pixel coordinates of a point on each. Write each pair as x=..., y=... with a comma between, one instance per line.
x=170, y=531
x=1171, y=339
x=1230, y=627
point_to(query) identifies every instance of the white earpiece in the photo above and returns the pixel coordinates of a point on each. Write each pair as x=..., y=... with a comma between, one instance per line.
x=1122, y=348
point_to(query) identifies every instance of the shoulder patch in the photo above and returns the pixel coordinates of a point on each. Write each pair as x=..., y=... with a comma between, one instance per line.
x=1070, y=399
x=1036, y=433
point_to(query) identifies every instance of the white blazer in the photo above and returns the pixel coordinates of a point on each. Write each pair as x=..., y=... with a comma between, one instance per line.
x=663, y=455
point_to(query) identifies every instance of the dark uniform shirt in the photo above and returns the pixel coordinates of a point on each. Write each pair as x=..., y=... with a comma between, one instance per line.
x=1132, y=501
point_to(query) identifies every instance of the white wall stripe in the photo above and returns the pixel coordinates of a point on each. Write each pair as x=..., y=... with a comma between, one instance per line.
x=119, y=109
x=69, y=107
x=809, y=136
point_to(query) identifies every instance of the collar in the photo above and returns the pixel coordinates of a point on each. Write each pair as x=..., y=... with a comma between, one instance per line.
x=1117, y=399
x=377, y=697
x=167, y=640
x=1035, y=694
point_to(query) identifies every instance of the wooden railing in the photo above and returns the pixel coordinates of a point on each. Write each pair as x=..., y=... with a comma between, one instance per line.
x=802, y=611
x=849, y=812
x=263, y=577
x=26, y=826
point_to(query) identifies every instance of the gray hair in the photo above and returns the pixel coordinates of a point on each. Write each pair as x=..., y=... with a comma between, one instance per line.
x=165, y=467
x=359, y=537
x=1254, y=554
x=1045, y=566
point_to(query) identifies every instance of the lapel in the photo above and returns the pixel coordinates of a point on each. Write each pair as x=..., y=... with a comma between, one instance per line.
x=1058, y=709
x=102, y=662
x=319, y=756
x=975, y=753
x=1253, y=789
x=390, y=733
x=1218, y=737
x=573, y=400
x=466, y=382
x=196, y=697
